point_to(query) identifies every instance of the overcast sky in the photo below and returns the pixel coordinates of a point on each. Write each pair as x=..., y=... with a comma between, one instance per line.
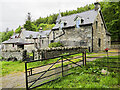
x=14, y=12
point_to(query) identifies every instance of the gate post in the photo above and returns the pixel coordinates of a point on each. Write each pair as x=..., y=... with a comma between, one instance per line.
x=26, y=75
x=33, y=52
x=62, y=65
x=84, y=58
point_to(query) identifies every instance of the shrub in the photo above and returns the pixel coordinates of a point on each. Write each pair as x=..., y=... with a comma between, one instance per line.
x=55, y=44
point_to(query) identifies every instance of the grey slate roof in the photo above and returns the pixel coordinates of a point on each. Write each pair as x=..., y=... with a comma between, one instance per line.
x=14, y=40
x=14, y=35
x=28, y=33
x=44, y=33
x=88, y=16
x=35, y=34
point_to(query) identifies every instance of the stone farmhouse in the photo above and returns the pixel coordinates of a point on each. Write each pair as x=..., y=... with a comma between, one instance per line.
x=82, y=29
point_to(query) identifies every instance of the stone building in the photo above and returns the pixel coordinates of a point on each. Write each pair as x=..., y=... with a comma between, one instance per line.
x=82, y=29
x=27, y=40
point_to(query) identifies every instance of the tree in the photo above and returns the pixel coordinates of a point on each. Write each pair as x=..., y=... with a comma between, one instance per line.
x=18, y=30
x=6, y=35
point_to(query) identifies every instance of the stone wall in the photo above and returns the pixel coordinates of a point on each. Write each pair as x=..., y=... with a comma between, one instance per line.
x=53, y=52
x=18, y=54
x=29, y=47
x=115, y=46
x=9, y=47
x=43, y=53
x=100, y=33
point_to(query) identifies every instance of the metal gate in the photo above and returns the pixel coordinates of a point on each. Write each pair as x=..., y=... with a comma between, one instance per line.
x=60, y=67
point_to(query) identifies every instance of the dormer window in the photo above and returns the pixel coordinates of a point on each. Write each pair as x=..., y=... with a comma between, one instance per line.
x=78, y=20
x=78, y=23
x=30, y=36
x=61, y=25
x=82, y=21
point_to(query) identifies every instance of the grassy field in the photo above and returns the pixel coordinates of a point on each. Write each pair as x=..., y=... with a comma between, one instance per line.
x=90, y=76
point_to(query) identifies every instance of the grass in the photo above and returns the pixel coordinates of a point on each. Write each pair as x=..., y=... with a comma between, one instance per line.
x=89, y=76
x=12, y=67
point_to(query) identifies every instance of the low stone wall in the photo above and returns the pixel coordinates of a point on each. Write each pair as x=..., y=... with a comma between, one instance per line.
x=17, y=54
x=115, y=46
x=53, y=52
x=43, y=53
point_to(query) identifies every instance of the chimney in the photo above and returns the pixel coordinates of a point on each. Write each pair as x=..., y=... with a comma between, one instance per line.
x=97, y=6
x=22, y=28
x=40, y=30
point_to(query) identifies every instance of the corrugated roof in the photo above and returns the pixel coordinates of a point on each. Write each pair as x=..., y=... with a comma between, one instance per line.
x=87, y=16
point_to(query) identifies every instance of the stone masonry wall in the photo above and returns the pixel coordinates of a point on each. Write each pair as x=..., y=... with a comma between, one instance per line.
x=99, y=32
x=75, y=36
x=53, y=52
x=115, y=46
x=17, y=54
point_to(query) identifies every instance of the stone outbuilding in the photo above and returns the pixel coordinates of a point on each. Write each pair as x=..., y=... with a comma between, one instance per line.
x=27, y=40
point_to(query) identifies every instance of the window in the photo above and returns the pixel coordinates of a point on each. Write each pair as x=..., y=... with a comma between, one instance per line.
x=99, y=42
x=21, y=46
x=96, y=24
x=82, y=21
x=13, y=45
x=42, y=41
x=78, y=23
x=108, y=42
x=101, y=26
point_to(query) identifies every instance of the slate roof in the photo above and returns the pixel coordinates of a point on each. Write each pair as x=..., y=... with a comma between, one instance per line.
x=44, y=33
x=14, y=40
x=27, y=34
x=35, y=34
x=87, y=16
x=14, y=35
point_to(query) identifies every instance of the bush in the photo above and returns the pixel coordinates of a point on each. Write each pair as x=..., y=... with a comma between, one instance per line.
x=55, y=44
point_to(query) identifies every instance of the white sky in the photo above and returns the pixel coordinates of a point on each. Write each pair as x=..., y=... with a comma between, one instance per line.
x=14, y=12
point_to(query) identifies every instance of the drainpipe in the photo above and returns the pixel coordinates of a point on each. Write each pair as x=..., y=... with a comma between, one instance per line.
x=92, y=38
